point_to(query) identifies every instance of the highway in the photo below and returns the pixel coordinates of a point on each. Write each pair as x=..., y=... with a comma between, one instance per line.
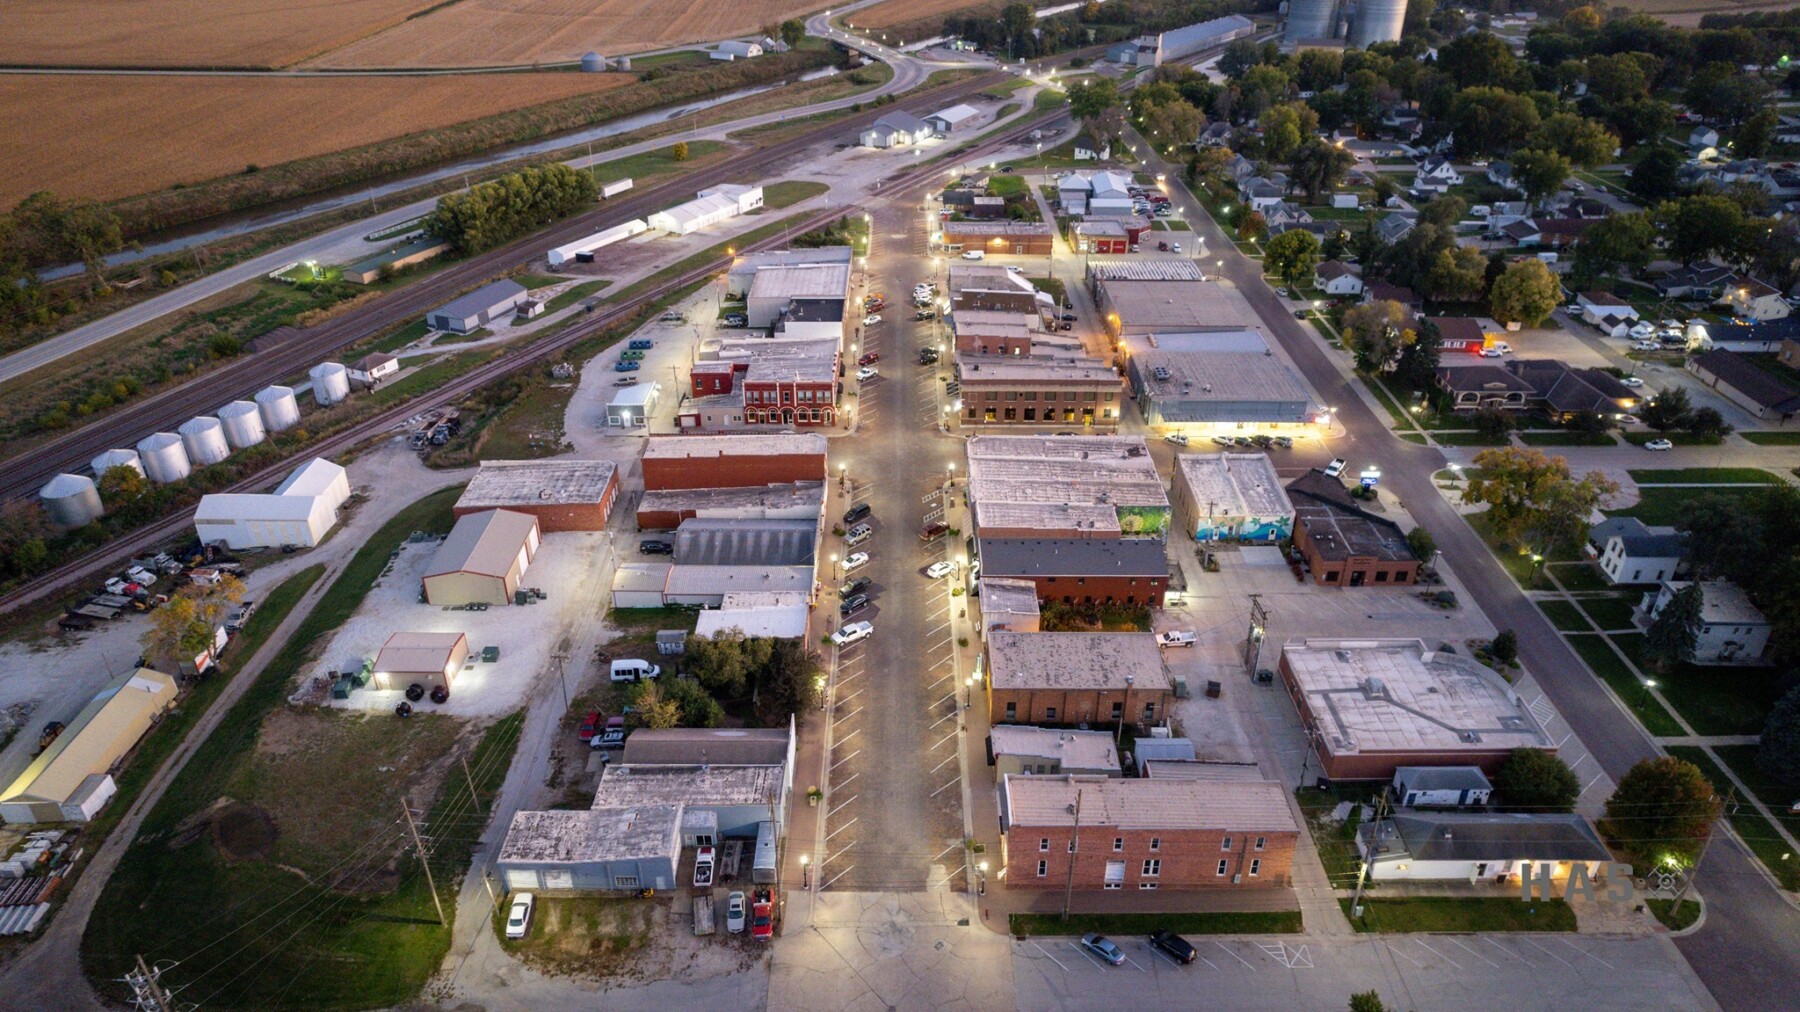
x=1745, y=953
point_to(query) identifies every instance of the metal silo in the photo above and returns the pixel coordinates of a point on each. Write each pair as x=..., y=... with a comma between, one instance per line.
x=204, y=439
x=165, y=459
x=1377, y=21
x=117, y=458
x=72, y=500
x=279, y=409
x=330, y=383
x=1310, y=19
x=243, y=424
x=593, y=63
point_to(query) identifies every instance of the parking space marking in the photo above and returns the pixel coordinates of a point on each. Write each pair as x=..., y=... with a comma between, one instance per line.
x=1293, y=959
x=1235, y=956
x=1096, y=960
x=1438, y=954
x=949, y=698
x=945, y=763
x=946, y=787
x=852, y=713
x=955, y=846
x=846, y=759
x=845, y=737
x=1391, y=947
x=841, y=828
x=845, y=699
x=1586, y=953
x=1472, y=952
x=942, y=740
x=940, y=720
x=1053, y=959
x=834, y=878
x=1552, y=955
x=845, y=804
x=846, y=782
x=1509, y=952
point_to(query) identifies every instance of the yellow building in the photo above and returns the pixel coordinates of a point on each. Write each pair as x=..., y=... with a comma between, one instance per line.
x=71, y=781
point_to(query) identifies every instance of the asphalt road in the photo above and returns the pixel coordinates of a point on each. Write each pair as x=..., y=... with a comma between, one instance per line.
x=1746, y=953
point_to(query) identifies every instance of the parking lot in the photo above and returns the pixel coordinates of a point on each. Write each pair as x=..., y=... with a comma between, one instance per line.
x=1422, y=972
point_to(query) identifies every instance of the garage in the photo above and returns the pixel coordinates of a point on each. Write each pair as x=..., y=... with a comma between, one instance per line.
x=420, y=658
x=483, y=560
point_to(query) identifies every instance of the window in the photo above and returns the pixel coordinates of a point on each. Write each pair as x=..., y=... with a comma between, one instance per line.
x=1225, y=844
x=1255, y=866
x=1118, y=843
x=1031, y=414
x=1146, y=885
x=1381, y=576
x=992, y=396
x=1043, y=868
x=1222, y=864
x=1152, y=866
x=1012, y=711
x=1030, y=395
x=1331, y=577
x=1261, y=842
x=1012, y=395
x=1155, y=844
x=1049, y=713
x=625, y=882
x=1149, y=711
x=1118, y=710
x=1044, y=844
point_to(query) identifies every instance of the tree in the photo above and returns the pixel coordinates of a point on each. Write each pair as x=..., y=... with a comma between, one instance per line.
x=654, y=710
x=1366, y=1001
x=1383, y=188
x=793, y=30
x=1458, y=274
x=1376, y=332
x=1478, y=59
x=698, y=708
x=1284, y=127
x=1505, y=647
x=1252, y=225
x=1778, y=751
x=1319, y=166
x=1755, y=135
x=122, y=483
x=1579, y=139
x=1532, y=497
x=180, y=630
x=1698, y=226
x=1239, y=56
x=47, y=231
x=1423, y=545
x=1415, y=368
x=1656, y=176
x=1493, y=424
x=1089, y=100
x=1018, y=19
x=1174, y=124
x=1527, y=293
x=1489, y=121
x=1540, y=171
x=1615, y=241
x=1534, y=780
x=1661, y=812
x=1708, y=423
x=1292, y=255
x=1616, y=78
x=727, y=662
x=1669, y=410
x=789, y=686
x=1675, y=632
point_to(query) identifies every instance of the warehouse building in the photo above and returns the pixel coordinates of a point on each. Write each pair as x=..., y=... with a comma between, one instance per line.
x=666, y=585
x=564, y=495
x=477, y=309
x=1155, y=50
x=948, y=121
x=597, y=850
x=1231, y=497
x=729, y=542
x=1030, y=238
x=632, y=406
x=1372, y=706
x=709, y=207
x=483, y=559
x=1076, y=487
x=1072, y=678
x=72, y=779
x=745, y=267
x=1234, y=389
x=1148, y=307
x=369, y=270
x=431, y=660
x=776, y=286
x=726, y=746
x=994, y=289
x=894, y=129
x=1101, y=235
x=664, y=510
x=785, y=614
x=732, y=461
x=739, y=798
x=300, y=511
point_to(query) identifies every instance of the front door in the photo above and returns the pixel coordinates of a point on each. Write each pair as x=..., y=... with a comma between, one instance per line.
x=1356, y=578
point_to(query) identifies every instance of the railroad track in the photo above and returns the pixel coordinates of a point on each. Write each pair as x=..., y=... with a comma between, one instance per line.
x=93, y=564
x=24, y=473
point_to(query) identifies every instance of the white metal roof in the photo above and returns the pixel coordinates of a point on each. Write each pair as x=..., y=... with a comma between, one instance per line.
x=484, y=543
x=315, y=477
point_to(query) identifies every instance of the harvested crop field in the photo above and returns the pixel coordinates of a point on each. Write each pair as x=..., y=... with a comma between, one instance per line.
x=894, y=12
x=103, y=137
x=189, y=33
x=482, y=33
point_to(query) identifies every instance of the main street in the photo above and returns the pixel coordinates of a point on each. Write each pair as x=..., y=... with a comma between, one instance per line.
x=1745, y=953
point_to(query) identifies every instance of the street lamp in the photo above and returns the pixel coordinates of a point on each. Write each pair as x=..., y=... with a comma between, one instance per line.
x=981, y=878
x=843, y=475
x=836, y=573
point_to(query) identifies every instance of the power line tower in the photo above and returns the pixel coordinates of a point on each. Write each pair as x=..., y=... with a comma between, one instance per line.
x=147, y=992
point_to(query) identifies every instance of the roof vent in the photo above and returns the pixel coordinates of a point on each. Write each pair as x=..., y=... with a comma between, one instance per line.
x=1469, y=736
x=1374, y=688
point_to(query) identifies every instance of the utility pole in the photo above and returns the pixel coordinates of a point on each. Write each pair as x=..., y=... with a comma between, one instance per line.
x=1362, y=871
x=474, y=796
x=424, y=859
x=1074, y=848
x=147, y=992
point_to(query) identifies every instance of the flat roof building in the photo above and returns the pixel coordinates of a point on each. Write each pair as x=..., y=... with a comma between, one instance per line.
x=745, y=266
x=564, y=495
x=728, y=461
x=71, y=780
x=1042, y=751
x=725, y=746
x=741, y=796
x=727, y=542
x=1137, y=269
x=1375, y=705
x=760, y=615
x=1030, y=238
x=664, y=510
x=1075, y=677
x=709, y=207
x=1065, y=486
x=1232, y=497
x=1009, y=604
x=1217, y=388
x=597, y=850
x=775, y=286
x=483, y=560
x=1083, y=571
x=1040, y=389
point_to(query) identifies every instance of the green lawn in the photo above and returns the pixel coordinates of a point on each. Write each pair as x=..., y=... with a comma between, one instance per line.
x=432, y=376
x=575, y=294
x=1564, y=616
x=1413, y=437
x=1005, y=184
x=650, y=164
x=532, y=282
x=400, y=338
x=1388, y=403
x=789, y=192
x=1048, y=99
x=1567, y=438
x=1677, y=438
x=1757, y=832
x=1773, y=438
x=1705, y=476
x=1518, y=564
x=1468, y=438
x=1459, y=913
x=1579, y=576
x=1603, y=662
x=1713, y=700
x=1609, y=612
x=1674, y=917
x=652, y=618
x=1742, y=761
x=1335, y=841
x=1249, y=922
x=1660, y=505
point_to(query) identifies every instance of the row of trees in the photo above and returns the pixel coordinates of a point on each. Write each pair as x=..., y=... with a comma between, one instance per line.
x=44, y=231
x=774, y=678
x=493, y=213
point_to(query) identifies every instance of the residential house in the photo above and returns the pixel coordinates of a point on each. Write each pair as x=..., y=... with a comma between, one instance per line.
x=1097, y=833
x=1484, y=388
x=1334, y=277
x=1701, y=281
x=1596, y=306
x=1284, y=215
x=1788, y=353
x=1041, y=751
x=1732, y=630
x=1563, y=391
x=1521, y=232
x=1069, y=678
x=1395, y=224
x=1751, y=299
x=1460, y=333
x=1441, y=787
x=896, y=128
x=1381, y=291
x=1261, y=194
x=1756, y=390
x=1215, y=135
x=1629, y=552
x=1436, y=174
x=1343, y=544
x=1586, y=208
x=1559, y=233
x=1702, y=137
x=1240, y=169
x=1763, y=337
x=1087, y=149
x=1471, y=846
x=1500, y=173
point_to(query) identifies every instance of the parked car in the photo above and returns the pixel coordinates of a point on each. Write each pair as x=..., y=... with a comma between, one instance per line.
x=974, y=254
x=1336, y=467
x=925, y=314
x=857, y=512
x=1633, y=381
x=1069, y=317
x=1491, y=353
x=1176, y=247
x=518, y=918
x=855, y=632
x=1261, y=441
x=853, y=587
x=1175, y=638
x=1301, y=314
x=872, y=319
x=1006, y=168
x=865, y=374
x=1177, y=438
x=858, y=534
x=1285, y=442
x=868, y=358
x=590, y=725
x=1222, y=440
x=1645, y=346
x=703, y=867
x=939, y=570
x=1174, y=946
x=932, y=532
x=633, y=669
x=853, y=604
x=1010, y=269
x=856, y=561
x=655, y=548
x=612, y=735
x=1659, y=444
x=736, y=320
x=735, y=910
x=631, y=356
x=1162, y=247
x=1102, y=946
x=626, y=381
x=762, y=916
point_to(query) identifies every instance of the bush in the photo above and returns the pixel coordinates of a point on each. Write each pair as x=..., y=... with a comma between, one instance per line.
x=1538, y=781
x=1505, y=647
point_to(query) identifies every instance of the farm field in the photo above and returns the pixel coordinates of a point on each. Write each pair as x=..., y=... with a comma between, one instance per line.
x=104, y=137
x=1687, y=13
x=189, y=33
x=475, y=33
x=894, y=12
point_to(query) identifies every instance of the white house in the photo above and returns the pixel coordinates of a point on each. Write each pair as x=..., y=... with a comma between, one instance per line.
x=1471, y=846
x=1437, y=174
x=1334, y=277
x=1629, y=552
x=1732, y=630
x=894, y=129
x=957, y=117
x=1073, y=190
x=1751, y=299
x=373, y=368
x=1702, y=137
x=1261, y=194
x=1441, y=786
x=1597, y=306
x=1087, y=149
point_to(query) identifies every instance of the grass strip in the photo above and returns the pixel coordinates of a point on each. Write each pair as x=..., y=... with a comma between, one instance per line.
x=1773, y=438
x=1214, y=922
x=1757, y=832
x=1661, y=505
x=1601, y=660
x=1705, y=476
x=1564, y=616
x=1561, y=438
x=1741, y=760
x=1459, y=913
x=1674, y=915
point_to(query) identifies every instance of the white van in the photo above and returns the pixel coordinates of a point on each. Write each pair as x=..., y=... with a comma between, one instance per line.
x=974, y=254
x=630, y=669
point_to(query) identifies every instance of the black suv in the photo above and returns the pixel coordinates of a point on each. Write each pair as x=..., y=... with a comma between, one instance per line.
x=1174, y=946
x=853, y=604
x=655, y=548
x=860, y=511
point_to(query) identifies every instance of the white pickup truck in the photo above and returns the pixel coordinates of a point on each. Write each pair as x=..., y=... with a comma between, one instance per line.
x=1175, y=638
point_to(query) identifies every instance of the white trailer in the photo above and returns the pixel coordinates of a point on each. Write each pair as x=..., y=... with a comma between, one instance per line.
x=583, y=249
x=615, y=188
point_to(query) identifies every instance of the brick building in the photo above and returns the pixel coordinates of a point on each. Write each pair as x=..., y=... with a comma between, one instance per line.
x=794, y=384
x=1076, y=678
x=564, y=495
x=1343, y=544
x=1372, y=706
x=1145, y=834
x=1084, y=571
x=1031, y=238
x=665, y=509
x=996, y=332
x=1101, y=235
x=1003, y=390
x=1052, y=487
x=732, y=461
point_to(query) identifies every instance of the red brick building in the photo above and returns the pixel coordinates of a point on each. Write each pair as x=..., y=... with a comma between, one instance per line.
x=1072, y=678
x=1343, y=544
x=732, y=461
x=708, y=379
x=1101, y=235
x=564, y=495
x=1145, y=835
x=1032, y=238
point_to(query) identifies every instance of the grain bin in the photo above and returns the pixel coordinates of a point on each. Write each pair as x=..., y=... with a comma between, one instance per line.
x=243, y=424
x=1377, y=21
x=623, y=64
x=330, y=383
x=165, y=459
x=593, y=63
x=72, y=500
x=204, y=439
x=117, y=458
x=279, y=409
x=1311, y=20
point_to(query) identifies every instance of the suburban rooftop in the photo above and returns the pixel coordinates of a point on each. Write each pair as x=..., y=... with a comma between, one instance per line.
x=1242, y=806
x=1234, y=484
x=1075, y=660
x=594, y=835
x=502, y=483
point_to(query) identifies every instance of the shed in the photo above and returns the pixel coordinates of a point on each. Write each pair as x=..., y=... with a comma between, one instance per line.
x=957, y=117
x=371, y=369
x=1441, y=786
x=483, y=559
x=1146, y=749
x=632, y=406
x=300, y=511
x=478, y=308
x=71, y=780
x=427, y=659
